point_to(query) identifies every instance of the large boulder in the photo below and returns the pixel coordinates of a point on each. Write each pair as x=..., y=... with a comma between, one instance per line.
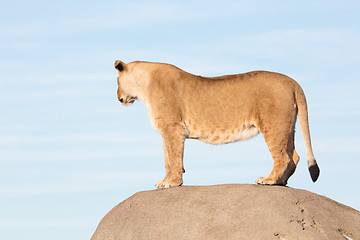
x=229, y=212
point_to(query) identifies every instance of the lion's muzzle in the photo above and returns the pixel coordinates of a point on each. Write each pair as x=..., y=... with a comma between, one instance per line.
x=127, y=100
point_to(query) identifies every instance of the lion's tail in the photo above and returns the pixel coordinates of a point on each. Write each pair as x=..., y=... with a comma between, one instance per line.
x=304, y=125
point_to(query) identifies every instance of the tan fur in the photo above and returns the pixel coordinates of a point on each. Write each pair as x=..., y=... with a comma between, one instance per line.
x=219, y=110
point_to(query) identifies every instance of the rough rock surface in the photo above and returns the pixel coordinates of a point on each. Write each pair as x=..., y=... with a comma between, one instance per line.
x=229, y=212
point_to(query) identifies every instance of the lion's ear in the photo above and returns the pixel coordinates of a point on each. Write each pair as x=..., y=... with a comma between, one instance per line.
x=120, y=66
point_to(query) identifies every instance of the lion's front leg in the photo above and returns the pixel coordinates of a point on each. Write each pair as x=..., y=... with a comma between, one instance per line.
x=173, y=141
x=161, y=184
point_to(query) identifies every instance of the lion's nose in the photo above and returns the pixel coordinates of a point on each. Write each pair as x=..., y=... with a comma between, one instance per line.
x=121, y=100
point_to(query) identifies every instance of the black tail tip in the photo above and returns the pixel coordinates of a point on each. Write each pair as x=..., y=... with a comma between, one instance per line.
x=314, y=172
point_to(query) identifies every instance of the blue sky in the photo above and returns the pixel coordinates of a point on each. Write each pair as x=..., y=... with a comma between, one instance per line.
x=69, y=152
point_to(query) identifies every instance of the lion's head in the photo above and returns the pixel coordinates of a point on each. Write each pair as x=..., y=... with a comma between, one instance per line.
x=125, y=98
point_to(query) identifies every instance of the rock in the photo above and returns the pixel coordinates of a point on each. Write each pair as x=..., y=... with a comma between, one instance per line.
x=234, y=211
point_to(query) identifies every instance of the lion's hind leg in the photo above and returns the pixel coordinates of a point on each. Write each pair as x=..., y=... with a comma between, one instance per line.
x=294, y=157
x=280, y=141
x=281, y=170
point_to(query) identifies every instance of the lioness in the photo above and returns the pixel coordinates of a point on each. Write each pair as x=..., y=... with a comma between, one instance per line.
x=219, y=110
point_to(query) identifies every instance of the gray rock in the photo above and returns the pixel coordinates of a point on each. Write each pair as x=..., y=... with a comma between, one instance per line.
x=234, y=211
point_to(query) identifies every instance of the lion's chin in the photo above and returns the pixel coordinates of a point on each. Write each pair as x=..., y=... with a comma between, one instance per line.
x=129, y=103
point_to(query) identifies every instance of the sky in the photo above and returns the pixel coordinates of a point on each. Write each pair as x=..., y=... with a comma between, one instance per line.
x=69, y=152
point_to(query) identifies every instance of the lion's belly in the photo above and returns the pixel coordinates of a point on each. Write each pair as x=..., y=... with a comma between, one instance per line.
x=221, y=134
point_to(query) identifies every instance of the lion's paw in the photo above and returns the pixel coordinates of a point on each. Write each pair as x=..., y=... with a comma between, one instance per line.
x=267, y=181
x=161, y=184
x=168, y=183
x=264, y=181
